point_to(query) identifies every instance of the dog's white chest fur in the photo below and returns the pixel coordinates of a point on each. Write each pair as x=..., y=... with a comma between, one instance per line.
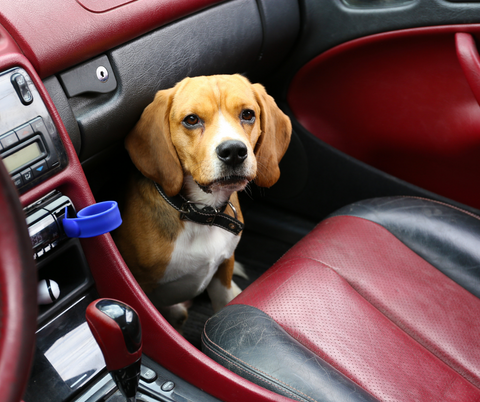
x=198, y=252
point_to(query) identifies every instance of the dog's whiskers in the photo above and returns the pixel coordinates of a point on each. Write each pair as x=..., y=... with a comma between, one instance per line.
x=248, y=191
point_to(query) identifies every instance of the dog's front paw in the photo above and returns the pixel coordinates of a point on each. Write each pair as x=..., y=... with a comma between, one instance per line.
x=235, y=290
x=176, y=315
x=239, y=270
x=220, y=295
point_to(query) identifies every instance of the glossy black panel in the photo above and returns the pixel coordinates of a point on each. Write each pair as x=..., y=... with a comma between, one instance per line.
x=67, y=266
x=67, y=356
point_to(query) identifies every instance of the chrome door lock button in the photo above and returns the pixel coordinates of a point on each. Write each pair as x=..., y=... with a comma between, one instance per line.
x=102, y=74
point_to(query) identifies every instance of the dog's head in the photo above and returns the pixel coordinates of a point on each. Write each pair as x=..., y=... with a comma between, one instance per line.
x=221, y=130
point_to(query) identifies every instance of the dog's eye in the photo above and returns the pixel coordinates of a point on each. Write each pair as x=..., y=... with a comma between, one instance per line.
x=191, y=120
x=248, y=115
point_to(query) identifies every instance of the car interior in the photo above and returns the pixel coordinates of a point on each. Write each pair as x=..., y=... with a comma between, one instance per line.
x=362, y=262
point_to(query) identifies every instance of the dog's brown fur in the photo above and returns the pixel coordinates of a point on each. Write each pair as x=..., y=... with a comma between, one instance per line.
x=167, y=152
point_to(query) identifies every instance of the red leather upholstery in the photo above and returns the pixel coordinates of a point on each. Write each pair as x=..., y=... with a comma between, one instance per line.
x=364, y=302
x=398, y=101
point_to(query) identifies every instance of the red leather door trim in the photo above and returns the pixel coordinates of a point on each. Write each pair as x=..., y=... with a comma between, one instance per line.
x=400, y=102
x=469, y=59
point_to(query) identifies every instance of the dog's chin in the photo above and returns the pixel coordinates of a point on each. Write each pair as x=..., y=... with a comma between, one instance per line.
x=229, y=183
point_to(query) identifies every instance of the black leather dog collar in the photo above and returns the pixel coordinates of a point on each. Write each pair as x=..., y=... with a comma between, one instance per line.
x=205, y=216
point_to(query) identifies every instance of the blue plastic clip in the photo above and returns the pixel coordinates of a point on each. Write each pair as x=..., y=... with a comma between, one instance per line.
x=93, y=220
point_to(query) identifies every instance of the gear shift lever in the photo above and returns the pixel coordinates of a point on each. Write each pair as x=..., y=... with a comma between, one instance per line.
x=116, y=328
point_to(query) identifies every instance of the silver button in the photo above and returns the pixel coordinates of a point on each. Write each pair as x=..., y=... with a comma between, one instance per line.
x=102, y=74
x=168, y=386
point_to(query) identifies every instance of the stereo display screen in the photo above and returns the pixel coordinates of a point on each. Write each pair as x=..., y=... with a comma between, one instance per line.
x=22, y=157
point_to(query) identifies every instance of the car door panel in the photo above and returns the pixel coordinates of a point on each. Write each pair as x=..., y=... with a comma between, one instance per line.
x=326, y=23
x=400, y=102
x=383, y=62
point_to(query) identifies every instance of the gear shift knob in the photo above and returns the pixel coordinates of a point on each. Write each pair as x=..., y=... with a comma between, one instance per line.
x=116, y=328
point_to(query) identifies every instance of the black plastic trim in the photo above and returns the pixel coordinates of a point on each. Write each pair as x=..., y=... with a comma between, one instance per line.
x=220, y=40
x=94, y=76
x=281, y=27
x=60, y=100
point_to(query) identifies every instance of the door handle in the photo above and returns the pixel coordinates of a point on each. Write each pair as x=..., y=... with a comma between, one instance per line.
x=469, y=59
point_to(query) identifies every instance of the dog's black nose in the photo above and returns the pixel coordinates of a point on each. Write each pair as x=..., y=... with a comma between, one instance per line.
x=232, y=152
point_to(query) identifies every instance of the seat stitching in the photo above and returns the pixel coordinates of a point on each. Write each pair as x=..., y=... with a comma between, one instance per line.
x=260, y=378
x=252, y=367
x=446, y=205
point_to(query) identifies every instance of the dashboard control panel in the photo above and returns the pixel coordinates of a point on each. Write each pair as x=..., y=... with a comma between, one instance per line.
x=30, y=146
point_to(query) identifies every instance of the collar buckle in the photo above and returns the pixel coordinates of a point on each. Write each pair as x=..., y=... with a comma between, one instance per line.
x=212, y=212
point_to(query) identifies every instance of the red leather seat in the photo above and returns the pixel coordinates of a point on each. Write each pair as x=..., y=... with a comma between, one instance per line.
x=379, y=302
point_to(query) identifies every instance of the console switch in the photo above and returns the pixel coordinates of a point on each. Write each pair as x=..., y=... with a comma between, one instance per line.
x=9, y=140
x=39, y=168
x=24, y=132
x=21, y=87
x=27, y=175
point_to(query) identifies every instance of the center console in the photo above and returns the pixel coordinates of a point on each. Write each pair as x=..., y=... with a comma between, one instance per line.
x=68, y=364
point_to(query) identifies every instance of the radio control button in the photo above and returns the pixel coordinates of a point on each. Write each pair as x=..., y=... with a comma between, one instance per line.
x=24, y=132
x=39, y=126
x=17, y=180
x=27, y=175
x=39, y=168
x=9, y=140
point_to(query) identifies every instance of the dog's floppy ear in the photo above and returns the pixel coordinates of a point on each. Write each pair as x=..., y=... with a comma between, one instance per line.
x=274, y=138
x=150, y=145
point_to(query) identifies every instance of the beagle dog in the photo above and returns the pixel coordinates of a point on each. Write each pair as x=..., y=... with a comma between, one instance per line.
x=195, y=146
